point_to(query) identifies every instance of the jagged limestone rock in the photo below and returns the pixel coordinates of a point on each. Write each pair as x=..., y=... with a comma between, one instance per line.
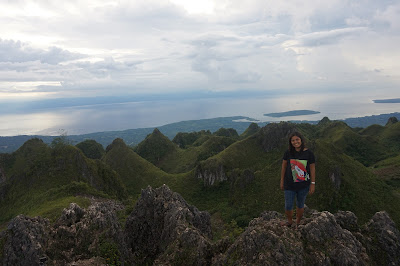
x=382, y=239
x=211, y=172
x=26, y=240
x=265, y=242
x=328, y=243
x=164, y=229
x=79, y=233
x=347, y=220
x=336, y=177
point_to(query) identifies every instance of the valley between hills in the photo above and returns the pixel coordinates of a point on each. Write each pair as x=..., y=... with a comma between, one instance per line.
x=232, y=177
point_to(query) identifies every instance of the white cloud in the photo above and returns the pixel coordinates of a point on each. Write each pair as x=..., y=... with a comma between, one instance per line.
x=119, y=47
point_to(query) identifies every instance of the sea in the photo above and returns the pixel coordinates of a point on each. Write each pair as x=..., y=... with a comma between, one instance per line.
x=89, y=118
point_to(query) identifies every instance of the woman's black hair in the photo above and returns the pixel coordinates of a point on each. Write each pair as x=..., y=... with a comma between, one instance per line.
x=292, y=149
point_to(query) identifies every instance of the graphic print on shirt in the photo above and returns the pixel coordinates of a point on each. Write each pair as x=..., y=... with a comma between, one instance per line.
x=299, y=171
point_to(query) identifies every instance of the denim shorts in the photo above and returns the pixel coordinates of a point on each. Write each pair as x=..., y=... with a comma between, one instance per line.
x=300, y=198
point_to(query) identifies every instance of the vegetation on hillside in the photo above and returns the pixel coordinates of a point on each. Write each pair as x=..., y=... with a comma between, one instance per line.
x=356, y=171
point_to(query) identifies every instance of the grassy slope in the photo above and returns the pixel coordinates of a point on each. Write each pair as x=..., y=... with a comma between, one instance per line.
x=137, y=173
x=391, y=137
x=42, y=180
x=361, y=191
x=389, y=171
x=184, y=160
x=155, y=147
x=367, y=149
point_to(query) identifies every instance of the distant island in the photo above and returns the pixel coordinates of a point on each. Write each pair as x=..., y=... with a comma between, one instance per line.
x=292, y=113
x=397, y=100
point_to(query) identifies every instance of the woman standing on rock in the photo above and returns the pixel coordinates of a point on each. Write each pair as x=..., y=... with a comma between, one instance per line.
x=297, y=177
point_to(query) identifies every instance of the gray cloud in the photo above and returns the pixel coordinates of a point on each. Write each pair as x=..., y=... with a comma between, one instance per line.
x=157, y=46
x=329, y=37
x=17, y=52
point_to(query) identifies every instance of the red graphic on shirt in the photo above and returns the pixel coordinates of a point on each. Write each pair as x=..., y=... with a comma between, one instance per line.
x=299, y=171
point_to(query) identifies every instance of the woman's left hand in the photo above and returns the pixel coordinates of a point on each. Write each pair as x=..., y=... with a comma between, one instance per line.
x=312, y=189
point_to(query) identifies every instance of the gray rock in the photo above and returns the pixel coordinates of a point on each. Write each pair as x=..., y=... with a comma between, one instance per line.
x=265, y=242
x=335, y=176
x=79, y=233
x=382, y=239
x=319, y=240
x=76, y=236
x=347, y=220
x=327, y=243
x=26, y=240
x=164, y=229
x=211, y=172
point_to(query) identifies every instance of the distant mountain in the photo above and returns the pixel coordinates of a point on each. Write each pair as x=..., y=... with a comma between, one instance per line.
x=134, y=136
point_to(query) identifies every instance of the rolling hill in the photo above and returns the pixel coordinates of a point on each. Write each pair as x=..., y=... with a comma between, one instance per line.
x=234, y=178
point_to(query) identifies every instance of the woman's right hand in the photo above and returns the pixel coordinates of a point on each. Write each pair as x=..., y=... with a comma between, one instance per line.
x=282, y=187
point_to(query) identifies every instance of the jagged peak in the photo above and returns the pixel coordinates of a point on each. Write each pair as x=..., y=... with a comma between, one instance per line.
x=31, y=144
x=156, y=131
x=226, y=132
x=118, y=142
x=155, y=147
x=251, y=130
x=253, y=126
x=324, y=121
x=392, y=120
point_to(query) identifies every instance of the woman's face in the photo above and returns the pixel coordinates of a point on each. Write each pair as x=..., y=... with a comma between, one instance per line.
x=296, y=142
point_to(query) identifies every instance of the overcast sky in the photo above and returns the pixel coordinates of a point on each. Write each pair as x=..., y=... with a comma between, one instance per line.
x=56, y=49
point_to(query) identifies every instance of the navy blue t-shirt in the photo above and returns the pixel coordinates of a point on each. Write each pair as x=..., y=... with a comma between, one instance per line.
x=297, y=174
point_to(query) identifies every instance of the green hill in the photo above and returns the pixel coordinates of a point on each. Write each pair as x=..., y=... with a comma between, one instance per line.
x=91, y=148
x=39, y=179
x=367, y=149
x=184, y=160
x=155, y=147
x=232, y=178
x=197, y=146
x=252, y=129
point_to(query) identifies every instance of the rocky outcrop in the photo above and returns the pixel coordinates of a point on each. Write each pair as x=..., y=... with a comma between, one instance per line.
x=335, y=176
x=392, y=120
x=382, y=239
x=164, y=230
x=78, y=235
x=25, y=241
x=319, y=240
x=211, y=172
